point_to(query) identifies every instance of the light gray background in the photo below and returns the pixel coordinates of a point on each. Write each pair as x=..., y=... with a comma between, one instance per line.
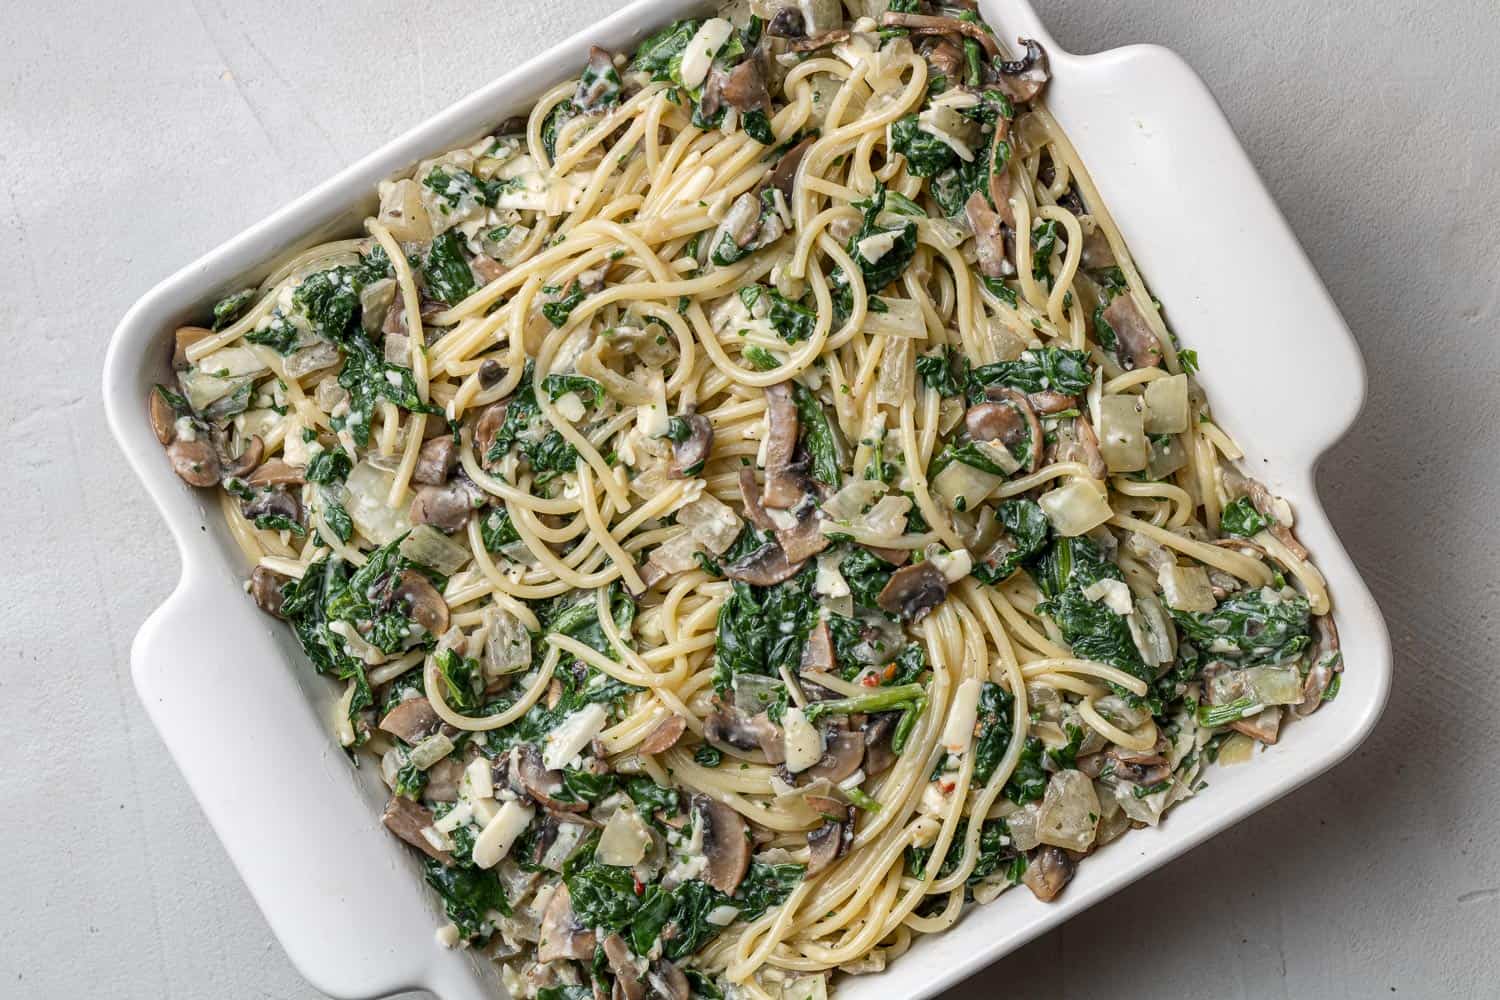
x=135, y=136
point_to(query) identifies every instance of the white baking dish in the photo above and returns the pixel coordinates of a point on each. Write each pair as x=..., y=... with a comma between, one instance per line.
x=246, y=719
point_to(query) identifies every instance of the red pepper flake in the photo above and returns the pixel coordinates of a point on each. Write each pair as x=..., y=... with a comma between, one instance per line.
x=890, y=671
x=870, y=680
x=947, y=786
x=640, y=887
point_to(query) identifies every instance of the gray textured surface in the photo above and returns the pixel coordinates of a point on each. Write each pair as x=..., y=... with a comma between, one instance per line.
x=138, y=135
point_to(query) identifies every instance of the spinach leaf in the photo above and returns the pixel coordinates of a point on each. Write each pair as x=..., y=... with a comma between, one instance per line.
x=660, y=54
x=1055, y=368
x=926, y=154
x=867, y=574
x=1073, y=561
x=1241, y=518
x=468, y=895
x=1095, y=632
x=762, y=629
x=232, y=307
x=588, y=390
x=1250, y=628
x=1044, y=241
x=993, y=730
x=1028, y=782
x=585, y=786
x=650, y=797
x=889, y=265
x=1027, y=529
x=328, y=466
x=463, y=680
x=279, y=335
x=497, y=530
x=945, y=372
x=445, y=272
x=369, y=378
x=549, y=456
x=816, y=434
x=558, y=311
x=791, y=320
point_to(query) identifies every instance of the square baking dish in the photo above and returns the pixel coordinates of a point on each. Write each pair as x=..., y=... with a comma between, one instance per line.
x=247, y=725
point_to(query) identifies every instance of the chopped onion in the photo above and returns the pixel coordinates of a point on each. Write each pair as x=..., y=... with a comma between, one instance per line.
x=1069, y=816
x=435, y=550
x=1167, y=405
x=1122, y=433
x=375, y=519
x=1076, y=508
x=963, y=486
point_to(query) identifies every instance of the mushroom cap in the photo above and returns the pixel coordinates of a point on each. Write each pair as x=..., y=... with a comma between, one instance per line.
x=765, y=567
x=783, y=487
x=1137, y=345
x=843, y=753
x=829, y=842
x=669, y=982
x=1048, y=870
x=628, y=985
x=265, y=587
x=163, y=416
x=725, y=844
x=665, y=735
x=446, y=508
x=541, y=784
x=689, y=454
x=407, y=819
x=425, y=605
x=436, y=461
x=411, y=720
x=913, y=591
x=276, y=472
x=248, y=459
x=561, y=934
x=195, y=462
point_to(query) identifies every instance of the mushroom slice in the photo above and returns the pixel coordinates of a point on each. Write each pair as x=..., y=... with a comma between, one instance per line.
x=1007, y=396
x=803, y=540
x=562, y=935
x=731, y=730
x=276, y=472
x=783, y=479
x=446, y=507
x=1025, y=77
x=424, y=604
x=195, y=461
x=783, y=176
x=163, y=415
x=1097, y=253
x=1327, y=664
x=668, y=981
x=628, y=984
x=1265, y=504
x=818, y=655
x=787, y=23
x=930, y=24
x=913, y=591
x=745, y=86
x=1264, y=726
x=896, y=557
x=878, y=730
x=182, y=339
x=596, y=85
x=248, y=459
x=407, y=819
x=538, y=782
x=689, y=454
x=265, y=587
x=827, y=38
x=1047, y=871
x=843, y=753
x=755, y=511
x=765, y=567
x=831, y=841
x=989, y=241
x=944, y=57
x=1050, y=401
x=665, y=736
x=411, y=720
x=724, y=843
x=275, y=502
x=1077, y=442
x=435, y=461
x=1137, y=346
x=489, y=424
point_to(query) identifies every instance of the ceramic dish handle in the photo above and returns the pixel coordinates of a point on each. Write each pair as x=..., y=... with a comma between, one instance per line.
x=273, y=790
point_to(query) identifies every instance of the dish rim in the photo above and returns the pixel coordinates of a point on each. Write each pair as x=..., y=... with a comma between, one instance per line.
x=337, y=201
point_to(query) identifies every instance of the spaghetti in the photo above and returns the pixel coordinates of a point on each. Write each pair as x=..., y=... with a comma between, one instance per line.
x=754, y=506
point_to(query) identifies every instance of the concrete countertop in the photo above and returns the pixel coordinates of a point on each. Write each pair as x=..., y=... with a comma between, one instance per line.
x=138, y=135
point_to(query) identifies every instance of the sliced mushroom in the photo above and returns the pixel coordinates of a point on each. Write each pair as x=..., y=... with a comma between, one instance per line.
x=163, y=416
x=628, y=984
x=668, y=982
x=1076, y=442
x=490, y=373
x=1326, y=665
x=274, y=502
x=442, y=780
x=1024, y=78
x=531, y=776
x=725, y=844
x=931, y=24
x=944, y=57
x=490, y=422
x=896, y=557
x=827, y=38
x=265, y=587
x=818, y=655
x=1010, y=397
x=689, y=454
x=276, y=472
x=412, y=720
x=407, y=819
x=1000, y=187
x=665, y=736
x=755, y=511
x=735, y=732
x=913, y=591
x=843, y=753
x=1137, y=346
x=783, y=176
x=1050, y=401
x=1265, y=504
x=424, y=604
x=1047, y=870
x=831, y=841
x=765, y=567
x=435, y=461
x=783, y=487
x=563, y=936
x=182, y=339
x=1097, y=253
x=1264, y=726
x=445, y=507
x=594, y=86
x=989, y=240
x=804, y=539
x=248, y=459
x=195, y=461
x=878, y=730
x=745, y=87
x=787, y=23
